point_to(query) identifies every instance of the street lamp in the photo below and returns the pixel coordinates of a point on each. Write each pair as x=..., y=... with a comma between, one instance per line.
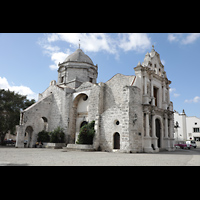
x=177, y=126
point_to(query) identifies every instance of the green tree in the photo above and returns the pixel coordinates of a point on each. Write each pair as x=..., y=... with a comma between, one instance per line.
x=57, y=135
x=43, y=136
x=86, y=134
x=11, y=104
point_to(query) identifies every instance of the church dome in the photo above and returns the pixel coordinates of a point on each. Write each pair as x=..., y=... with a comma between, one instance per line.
x=79, y=56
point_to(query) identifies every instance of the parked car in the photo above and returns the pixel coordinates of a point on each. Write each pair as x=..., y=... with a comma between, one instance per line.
x=9, y=142
x=192, y=142
x=183, y=144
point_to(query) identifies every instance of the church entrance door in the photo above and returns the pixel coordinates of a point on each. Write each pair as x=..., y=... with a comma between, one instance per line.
x=116, y=141
x=158, y=127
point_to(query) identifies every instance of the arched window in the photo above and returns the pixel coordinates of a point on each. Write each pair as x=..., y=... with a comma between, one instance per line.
x=83, y=123
x=45, y=123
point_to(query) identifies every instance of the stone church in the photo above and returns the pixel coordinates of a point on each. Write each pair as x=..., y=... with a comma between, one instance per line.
x=132, y=113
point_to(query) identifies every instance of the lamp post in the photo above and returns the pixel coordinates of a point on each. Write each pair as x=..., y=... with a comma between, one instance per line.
x=177, y=126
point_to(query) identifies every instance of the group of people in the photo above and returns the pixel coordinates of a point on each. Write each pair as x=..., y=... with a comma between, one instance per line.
x=38, y=144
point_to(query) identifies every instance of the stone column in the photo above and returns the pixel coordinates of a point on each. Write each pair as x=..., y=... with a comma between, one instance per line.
x=96, y=139
x=145, y=85
x=166, y=125
x=164, y=102
x=171, y=133
x=145, y=95
x=147, y=124
x=166, y=139
x=163, y=93
x=147, y=138
x=152, y=96
x=154, y=138
x=153, y=125
x=168, y=96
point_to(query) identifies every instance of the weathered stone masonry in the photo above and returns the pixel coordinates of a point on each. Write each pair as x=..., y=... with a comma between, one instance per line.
x=132, y=113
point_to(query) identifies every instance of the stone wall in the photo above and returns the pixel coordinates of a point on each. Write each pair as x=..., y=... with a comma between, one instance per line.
x=32, y=117
x=113, y=90
x=108, y=127
x=54, y=105
x=121, y=103
x=136, y=130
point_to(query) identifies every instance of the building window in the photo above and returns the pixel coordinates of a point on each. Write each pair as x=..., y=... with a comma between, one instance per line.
x=196, y=130
x=85, y=97
x=155, y=94
x=91, y=80
x=62, y=79
x=195, y=123
x=159, y=72
x=117, y=122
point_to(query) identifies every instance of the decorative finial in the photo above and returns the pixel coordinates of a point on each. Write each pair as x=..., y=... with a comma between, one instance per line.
x=153, y=47
x=79, y=45
x=139, y=63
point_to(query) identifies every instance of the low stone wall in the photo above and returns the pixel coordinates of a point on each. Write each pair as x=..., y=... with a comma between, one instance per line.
x=54, y=145
x=79, y=147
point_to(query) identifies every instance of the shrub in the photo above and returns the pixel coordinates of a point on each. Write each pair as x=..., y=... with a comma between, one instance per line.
x=57, y=135
x=43, y=136
x=86, y=134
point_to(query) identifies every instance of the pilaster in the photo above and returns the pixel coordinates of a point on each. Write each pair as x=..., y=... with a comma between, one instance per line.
x=166, y=138
x=154, y=138
x=147, y=138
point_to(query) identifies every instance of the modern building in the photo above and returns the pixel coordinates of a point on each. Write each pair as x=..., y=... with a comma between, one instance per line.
x=188, y=127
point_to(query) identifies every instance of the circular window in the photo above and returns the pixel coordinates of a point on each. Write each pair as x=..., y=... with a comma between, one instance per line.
x=85, y=97
x=117, y=122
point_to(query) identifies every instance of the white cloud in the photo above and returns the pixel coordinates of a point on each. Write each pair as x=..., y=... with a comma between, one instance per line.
x=53, y=51
x=23, y=90
x=191, y=38
x=93, y=42
x=4, y=83
x=89, y=41
x=183, y=38
x=53, y=67
x=176, y=95
x=58, y=57
x=163, y=62
x=172, y=91
x=194, y=100
x=134, y=41
x=172, y=37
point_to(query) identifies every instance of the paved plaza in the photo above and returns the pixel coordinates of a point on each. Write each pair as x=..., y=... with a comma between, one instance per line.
x=10, y=156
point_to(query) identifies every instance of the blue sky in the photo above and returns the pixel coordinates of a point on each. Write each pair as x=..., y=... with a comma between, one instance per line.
x=28, y=61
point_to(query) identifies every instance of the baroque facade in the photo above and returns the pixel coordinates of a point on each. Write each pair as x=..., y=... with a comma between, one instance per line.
x=132, y=113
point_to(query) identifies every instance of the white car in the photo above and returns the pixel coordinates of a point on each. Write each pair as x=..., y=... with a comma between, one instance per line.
x=192, y=143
